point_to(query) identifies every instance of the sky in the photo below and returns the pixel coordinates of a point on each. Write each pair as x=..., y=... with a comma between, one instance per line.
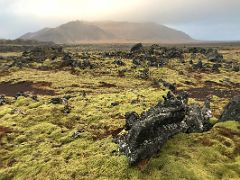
x=201, y=19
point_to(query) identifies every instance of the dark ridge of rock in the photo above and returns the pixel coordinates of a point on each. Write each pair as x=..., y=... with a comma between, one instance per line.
x=232, y=110
x=137, y=47
x=41, y=53
x=147, y=133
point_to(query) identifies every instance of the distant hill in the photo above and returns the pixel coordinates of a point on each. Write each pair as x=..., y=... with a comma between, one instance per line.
x=23, y=42
x=109, y=32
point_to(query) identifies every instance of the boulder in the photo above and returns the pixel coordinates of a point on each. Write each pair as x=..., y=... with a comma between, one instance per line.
x=137, y=47
x=231, y=110
x=148, y=132
x=2, y=100
x=214, y=56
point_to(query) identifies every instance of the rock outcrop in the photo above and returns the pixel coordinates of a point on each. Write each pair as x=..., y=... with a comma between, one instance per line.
x=149, y=131
x=232, y=110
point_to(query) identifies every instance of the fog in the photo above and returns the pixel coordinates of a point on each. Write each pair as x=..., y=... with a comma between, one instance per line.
x=203, y=20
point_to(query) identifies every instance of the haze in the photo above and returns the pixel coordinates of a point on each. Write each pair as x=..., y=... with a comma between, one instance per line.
x=203, y=20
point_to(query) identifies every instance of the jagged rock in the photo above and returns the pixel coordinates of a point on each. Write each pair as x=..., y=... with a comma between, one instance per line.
x=137, y=47
x=174, y=53
x=119, y=63
x=67, y=60
x=232, y=110
x=115, y=103
x=148, y=132
x=40, y=53
x=214, y=56
x=195, y=50
x=197, y=119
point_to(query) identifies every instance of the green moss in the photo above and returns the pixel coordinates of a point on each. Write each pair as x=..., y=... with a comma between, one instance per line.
x=41, y=143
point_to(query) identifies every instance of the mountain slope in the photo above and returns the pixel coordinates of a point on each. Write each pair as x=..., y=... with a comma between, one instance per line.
x=146, y=32
x=84, y=32
x=72, y=32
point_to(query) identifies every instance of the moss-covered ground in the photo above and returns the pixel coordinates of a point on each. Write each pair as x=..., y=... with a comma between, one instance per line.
x=36, y=137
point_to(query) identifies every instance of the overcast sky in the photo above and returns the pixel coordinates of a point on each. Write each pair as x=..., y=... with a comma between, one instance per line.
x=201, y=19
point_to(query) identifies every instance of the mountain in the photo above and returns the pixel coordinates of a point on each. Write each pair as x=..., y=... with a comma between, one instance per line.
x=109, y=32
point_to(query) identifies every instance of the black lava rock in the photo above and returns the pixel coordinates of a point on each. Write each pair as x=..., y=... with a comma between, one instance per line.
x=114, y=103
x=131, y=118
x=2, y=100
x=147, y=133
x=137, y=47
x=56, y=100
x=20, y=94
x=232, y=110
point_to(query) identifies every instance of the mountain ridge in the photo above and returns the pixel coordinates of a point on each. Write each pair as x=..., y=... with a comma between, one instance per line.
x=75, y=32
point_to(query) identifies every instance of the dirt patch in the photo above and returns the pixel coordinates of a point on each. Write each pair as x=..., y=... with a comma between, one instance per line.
x=202, y=93
x=107, y=133
x=10, y=89
x=4, y=131
x=227, y=132
x=212, y=88
x=227, y=84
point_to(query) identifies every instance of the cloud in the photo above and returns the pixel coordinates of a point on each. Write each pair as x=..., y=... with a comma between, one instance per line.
x=20, y=16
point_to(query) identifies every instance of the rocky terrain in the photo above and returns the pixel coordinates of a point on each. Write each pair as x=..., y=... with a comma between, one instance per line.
x=119, y=111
